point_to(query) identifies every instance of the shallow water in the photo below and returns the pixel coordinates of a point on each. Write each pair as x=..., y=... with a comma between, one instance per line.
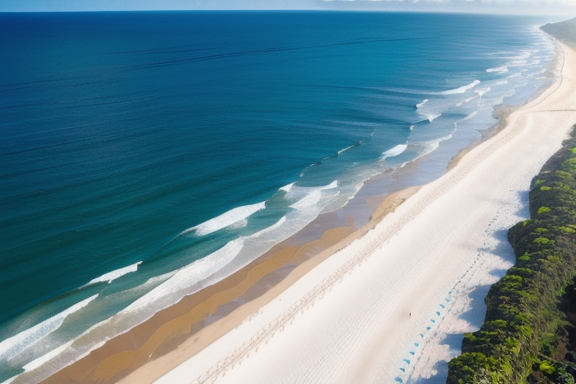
x=147, y=155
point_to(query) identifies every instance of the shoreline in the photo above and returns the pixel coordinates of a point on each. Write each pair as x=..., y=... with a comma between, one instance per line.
x=328, y=296
x=227, y=303
x=502, y=112
x=155, y=341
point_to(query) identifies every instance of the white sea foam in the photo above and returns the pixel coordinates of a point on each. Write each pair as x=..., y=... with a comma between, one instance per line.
x=224, y=220
x=187, y=280
x=502, y=69
x=332, y=185
x=187, y=276
x=460, y=90
x=347, y=148
x=432, y=145
x=284, y=222
x=424, y=110
x=74, y=351
x=420, y=105
x=156, y=280
x=64, y=354
x=309, y=196
x=287, y=188
x=394, y=151
x=239, y=224
x=522, y=59
x=467, y=100
x=502, y=82
x=269, y=229
x=47, y=357
x=308, y=201
x=470, y=116
x=15, y=345
x=483, y=91
x=425, y=147
x=110, y=276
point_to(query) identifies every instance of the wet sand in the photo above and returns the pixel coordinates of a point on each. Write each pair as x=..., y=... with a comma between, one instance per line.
x=188, y=328
x=394, y=303
x=199, y=319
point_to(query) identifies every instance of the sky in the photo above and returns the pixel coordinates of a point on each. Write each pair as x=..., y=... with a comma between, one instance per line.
x=565, y=8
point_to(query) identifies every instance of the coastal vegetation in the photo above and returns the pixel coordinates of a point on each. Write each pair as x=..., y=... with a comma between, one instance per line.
x=564, y=31
x=529, y=333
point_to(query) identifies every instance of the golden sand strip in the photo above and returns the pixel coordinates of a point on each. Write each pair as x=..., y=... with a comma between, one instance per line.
x=360, y=314
x=231, y=300
x=174, y=335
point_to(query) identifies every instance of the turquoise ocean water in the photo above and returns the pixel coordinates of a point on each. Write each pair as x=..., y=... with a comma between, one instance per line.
x=144, y=156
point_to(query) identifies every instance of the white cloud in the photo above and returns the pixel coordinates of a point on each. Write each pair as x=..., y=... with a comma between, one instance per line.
x=564, y=8
x=571, y=3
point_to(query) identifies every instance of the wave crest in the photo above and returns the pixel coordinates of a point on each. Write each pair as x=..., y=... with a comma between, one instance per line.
x=460, y=90
x=17, y=344
x=421, y=104
x=224, y=220
x=187, y=276
x=394, y=151
x=111, y=276
x=502, y=69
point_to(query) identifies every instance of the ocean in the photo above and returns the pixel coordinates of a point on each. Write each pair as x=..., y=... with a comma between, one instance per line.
x=145, y=156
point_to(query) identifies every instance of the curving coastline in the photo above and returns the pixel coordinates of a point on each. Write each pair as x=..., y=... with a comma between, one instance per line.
x=525, y=337
x=226, y=303
x=459, y=220
x=528, y=334
x=170, y=327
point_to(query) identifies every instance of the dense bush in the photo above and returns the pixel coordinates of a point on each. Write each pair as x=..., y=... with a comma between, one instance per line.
x=519, y=341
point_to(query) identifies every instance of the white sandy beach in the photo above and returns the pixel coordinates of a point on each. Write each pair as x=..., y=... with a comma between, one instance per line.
x=393, y=305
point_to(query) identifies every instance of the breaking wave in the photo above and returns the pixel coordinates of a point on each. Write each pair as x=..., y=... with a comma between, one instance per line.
x=226, y=219
x=460, y=90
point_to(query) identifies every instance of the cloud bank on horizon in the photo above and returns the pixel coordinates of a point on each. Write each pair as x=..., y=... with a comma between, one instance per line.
x=566, y=8
x=535, y=7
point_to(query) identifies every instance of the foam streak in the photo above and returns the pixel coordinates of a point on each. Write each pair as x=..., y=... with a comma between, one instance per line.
x=460, y=90
x=17, y=344
x=228, y=218
x=110, y=276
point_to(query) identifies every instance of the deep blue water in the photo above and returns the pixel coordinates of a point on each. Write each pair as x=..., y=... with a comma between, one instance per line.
x=134, y=144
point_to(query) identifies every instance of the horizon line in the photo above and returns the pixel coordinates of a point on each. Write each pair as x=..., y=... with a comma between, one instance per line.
x=443, y=11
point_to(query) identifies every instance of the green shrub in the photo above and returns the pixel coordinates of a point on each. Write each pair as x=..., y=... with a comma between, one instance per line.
x=547, y=368
x=522, y=316
x=543, y=210
x=564, y=175
x=525, y=257
x=566, y=229
x=543, y=241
